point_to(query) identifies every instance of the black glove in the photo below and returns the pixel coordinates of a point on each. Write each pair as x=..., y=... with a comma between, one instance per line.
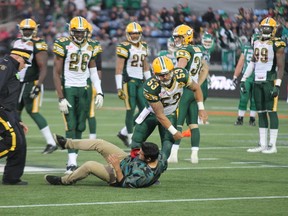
x=235, y=82
x=243, y=87
x=275, y=91
x=35, y=91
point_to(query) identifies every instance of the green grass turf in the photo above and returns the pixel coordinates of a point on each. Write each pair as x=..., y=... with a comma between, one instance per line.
x=227, y=180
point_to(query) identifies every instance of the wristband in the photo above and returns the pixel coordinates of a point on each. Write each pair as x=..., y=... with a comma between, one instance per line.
x=172, y=130
x=118, y=79
x=200, y=105
x=278, y=82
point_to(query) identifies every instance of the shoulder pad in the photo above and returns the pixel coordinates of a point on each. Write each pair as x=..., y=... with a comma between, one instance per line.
x=125, y=43
x=280, y=43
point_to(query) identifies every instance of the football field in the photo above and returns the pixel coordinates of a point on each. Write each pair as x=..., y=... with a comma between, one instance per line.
x=227, y=181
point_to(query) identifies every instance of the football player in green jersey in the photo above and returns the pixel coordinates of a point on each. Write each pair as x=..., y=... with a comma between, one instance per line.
x=91, y=91
x=267, y=64
x=244, y=59
x=191, y=58
x=131, y=69
x=32, y=78
x=74, y=62
x=163, y=92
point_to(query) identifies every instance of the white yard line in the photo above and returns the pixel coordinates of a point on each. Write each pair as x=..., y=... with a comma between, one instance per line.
x=146, y=201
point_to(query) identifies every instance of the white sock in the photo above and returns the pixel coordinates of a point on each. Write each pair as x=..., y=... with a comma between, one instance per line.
x=273, y=137
x=241, y=113
x=129, y=136
x=92, y=136
x=48, y=136
x=252, y=113
x=175, y=147
x=124, y=131
x=263, y=133
x=195, y=148
x=72, y=159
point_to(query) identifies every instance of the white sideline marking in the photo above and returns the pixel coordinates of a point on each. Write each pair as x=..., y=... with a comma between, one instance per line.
x=146, y=201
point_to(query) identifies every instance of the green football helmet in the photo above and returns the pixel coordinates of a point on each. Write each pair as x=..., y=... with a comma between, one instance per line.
x=207, y=41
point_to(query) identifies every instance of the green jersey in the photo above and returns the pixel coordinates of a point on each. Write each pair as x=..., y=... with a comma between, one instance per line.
x=134, y=57
x=169, y=97
x=76, y=59
x=265, y=58
x=194, y=55
x=138, y=174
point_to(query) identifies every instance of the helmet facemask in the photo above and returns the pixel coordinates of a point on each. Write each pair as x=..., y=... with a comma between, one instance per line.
x=163, y=69
x=78, y=35
x=28, y=29
x=207, y=41
x=178, y=41
x=131, y=36
x=28, y=34
x=133, y=32
x=266, y=32
x=165, y=79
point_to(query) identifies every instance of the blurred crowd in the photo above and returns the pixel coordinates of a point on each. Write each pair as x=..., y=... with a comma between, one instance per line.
x=110, y=17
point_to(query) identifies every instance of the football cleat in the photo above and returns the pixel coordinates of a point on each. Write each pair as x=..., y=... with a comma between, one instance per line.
x=70, y=169
x=124, y=139
x=252, y=121
x=256, y=149
x=133, y=32
x=239, y=121
x=186, y=133
x=183, y=35
x=270, y=150
x=49, y=149
x=194, y=157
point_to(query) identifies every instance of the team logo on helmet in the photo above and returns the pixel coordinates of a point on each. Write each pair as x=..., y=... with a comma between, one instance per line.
x=183, y=35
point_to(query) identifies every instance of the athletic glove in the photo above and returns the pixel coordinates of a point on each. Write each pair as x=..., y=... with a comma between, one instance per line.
x=235, y=82
x=121, y=94
x=275, y=91
x=64, y=106
x=243, y=87
x=35, y=91
x=99, y=100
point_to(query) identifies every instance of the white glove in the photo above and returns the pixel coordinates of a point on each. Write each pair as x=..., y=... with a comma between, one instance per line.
x=63, y=105
x=99, y=100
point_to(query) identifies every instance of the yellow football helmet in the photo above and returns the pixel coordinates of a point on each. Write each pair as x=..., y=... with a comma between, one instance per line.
x=28, y=29
x=268, y=28
x=78, y=28
x=183, y=35
x=162, y=66
x=132, y=30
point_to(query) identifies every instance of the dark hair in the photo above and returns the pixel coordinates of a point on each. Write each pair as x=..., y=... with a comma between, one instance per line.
x=150, y=150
